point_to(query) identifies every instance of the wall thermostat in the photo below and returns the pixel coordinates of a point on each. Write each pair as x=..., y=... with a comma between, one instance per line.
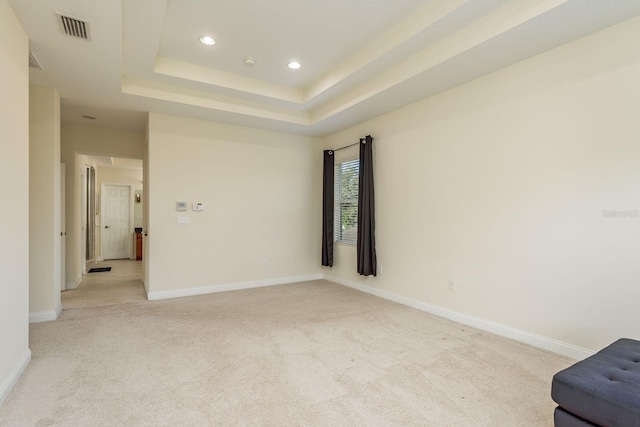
x=181, y=206
x=197, y=206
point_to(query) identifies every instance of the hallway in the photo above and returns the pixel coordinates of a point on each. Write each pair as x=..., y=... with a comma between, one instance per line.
x=121, y=285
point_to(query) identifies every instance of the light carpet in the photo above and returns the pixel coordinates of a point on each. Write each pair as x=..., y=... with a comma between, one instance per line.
x=308, y=354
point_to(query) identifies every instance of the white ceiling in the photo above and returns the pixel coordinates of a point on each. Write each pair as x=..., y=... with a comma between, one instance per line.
x=360, y=58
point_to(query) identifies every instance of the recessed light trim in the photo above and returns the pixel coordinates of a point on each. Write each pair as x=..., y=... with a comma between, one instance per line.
x=294, y=65
x=208, y=40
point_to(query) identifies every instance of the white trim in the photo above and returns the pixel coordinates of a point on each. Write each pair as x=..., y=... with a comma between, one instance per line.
x=132, y=221
x=83, y=213
x=535, y=340
x=14, y=376
x=44, y=316
x=178, y=293
x=99, y=259
x=146, y=294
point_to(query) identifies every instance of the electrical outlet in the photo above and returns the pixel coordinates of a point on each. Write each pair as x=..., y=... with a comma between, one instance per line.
x=452, y=286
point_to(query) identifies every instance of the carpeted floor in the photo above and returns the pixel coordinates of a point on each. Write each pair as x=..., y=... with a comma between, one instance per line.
x=314, y=353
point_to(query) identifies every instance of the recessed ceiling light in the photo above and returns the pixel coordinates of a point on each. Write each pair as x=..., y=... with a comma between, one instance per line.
x=88, y=117
x=294, y=65
x=208, y=40
x=249, y=61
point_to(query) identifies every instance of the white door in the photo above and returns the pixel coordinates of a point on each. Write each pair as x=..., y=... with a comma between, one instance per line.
x=116, y=224
x=63, y=228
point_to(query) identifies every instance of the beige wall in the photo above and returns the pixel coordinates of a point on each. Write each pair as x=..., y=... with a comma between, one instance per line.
x=76, y=142
x=500, y=186
x=14, y=181
x=44, y=203
x=261, y=192
x=113, y=175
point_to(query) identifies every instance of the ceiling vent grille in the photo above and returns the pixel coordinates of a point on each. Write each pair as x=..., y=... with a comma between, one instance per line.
x=74, y=27
x=33, y=62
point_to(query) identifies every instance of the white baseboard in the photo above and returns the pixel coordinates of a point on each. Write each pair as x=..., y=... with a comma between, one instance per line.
x=14, y=376
x=45, y=316
x=99, y=259
x=178, y=293
x=535, y=340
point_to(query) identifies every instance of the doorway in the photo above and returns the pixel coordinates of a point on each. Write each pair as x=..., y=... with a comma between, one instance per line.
x=112, y=188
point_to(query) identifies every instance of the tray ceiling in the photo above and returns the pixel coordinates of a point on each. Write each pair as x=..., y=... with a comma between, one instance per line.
x=360, y=58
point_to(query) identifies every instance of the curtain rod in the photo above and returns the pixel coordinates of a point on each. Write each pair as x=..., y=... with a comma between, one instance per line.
x=347, y=146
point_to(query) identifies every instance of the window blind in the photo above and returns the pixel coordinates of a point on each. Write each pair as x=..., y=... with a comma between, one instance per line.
x=346, y=201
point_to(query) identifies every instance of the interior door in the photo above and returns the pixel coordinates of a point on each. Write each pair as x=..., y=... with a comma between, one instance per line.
x=116, y=222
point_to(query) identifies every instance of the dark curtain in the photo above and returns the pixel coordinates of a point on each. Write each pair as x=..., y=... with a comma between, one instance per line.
x=367, y=261
x=327, y=209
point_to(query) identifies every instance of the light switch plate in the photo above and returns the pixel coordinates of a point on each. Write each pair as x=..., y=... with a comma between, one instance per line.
x=182, y=220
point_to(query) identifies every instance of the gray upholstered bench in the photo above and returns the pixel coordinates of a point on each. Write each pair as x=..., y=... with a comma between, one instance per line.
x=602, y=390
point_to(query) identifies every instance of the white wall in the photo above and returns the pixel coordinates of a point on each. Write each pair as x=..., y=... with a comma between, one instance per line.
x=261, y=193
x=14, y=182
x=88, y=140
x=44, y=203
x=500, y=185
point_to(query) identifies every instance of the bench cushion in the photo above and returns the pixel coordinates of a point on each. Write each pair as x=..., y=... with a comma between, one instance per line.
x=604, y=388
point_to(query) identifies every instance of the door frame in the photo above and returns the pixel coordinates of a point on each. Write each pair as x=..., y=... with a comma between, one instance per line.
x=131, y=246
x=63, y=227
x=83, y=220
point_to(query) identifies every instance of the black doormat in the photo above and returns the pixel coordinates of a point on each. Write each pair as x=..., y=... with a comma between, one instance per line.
x=99, y=269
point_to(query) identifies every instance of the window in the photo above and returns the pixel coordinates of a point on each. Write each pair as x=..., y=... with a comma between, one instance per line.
x=345, y=221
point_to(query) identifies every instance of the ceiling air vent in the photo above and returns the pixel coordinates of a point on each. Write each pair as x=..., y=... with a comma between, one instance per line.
x=33, y=62
x=74, y=27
